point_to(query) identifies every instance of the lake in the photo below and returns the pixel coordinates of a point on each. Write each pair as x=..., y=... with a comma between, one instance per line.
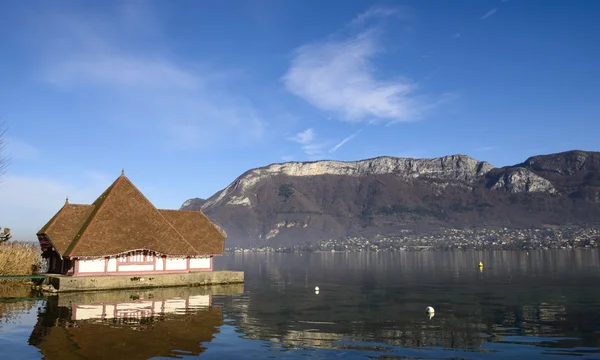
x=535, y=305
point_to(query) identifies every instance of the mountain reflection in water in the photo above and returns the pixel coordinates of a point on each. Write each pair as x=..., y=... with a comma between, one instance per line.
x=519, y=300
x=128, y=324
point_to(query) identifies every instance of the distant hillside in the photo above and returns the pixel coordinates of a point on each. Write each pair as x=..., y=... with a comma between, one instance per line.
x=312, y=201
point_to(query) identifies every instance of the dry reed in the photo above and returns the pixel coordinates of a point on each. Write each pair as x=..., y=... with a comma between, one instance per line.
x=19, y=258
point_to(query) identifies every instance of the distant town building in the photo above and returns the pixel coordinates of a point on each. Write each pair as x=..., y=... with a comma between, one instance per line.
x=122, y=233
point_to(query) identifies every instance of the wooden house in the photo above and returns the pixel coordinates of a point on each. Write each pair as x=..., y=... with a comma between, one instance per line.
x=122, y=233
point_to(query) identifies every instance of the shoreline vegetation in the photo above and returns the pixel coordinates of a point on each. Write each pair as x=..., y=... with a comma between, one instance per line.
x=19, y=258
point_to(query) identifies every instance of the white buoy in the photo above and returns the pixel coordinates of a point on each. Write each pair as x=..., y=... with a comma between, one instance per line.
x=316, y=288
x=430, y=310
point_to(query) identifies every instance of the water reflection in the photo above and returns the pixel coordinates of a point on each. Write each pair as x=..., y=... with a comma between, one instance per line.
x=129, y=324
x=16, y=297
x=541, y=305
x=548, y=297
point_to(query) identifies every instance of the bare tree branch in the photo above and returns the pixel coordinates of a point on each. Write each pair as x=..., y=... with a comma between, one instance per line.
x=4, y=158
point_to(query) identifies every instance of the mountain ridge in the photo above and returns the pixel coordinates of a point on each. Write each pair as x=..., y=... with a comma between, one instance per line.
x=288, y=202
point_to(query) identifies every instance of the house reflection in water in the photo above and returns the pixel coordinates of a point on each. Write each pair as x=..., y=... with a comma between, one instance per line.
x=128, y=325
x=139, y=310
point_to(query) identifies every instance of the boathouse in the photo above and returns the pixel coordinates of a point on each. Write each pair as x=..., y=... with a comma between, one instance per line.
x=122, y=233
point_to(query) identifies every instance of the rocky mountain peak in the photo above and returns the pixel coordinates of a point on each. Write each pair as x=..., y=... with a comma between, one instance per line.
x=453, y=167
x=566, y=163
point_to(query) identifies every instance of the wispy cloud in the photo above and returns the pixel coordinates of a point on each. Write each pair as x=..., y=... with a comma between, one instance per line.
x=310, y=144
x=344, y=141
x=305, y=137
x=19, y=150
x=486, y=148
x=489, y=13
x=376, y=12
x=34, y=200
x=190, y=104
x=337, y=75
x=123, y=70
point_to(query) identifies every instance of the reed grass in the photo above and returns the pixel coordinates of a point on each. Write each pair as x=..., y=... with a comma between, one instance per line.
x=19, y=258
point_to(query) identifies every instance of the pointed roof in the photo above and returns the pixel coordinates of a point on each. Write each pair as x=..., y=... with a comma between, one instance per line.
x=123, y=219
x=201, y=233
x=63, y=227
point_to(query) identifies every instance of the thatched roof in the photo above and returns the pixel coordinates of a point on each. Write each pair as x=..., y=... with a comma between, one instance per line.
x=123, y=219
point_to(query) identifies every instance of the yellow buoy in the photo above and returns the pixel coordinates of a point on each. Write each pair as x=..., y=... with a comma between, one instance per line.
x=480, y=264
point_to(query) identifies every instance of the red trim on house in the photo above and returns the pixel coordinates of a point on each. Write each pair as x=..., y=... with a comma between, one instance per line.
x=158, y=254
x=149, y=272
x=133, y=262
x=77, y=271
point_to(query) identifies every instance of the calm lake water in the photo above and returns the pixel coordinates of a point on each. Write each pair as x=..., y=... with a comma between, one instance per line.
x=536, y=305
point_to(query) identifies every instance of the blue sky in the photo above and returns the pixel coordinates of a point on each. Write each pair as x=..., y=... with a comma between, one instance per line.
x=187, y=95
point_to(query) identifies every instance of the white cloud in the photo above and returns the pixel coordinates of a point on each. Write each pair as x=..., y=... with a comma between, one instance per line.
x=189, y=104
x=489, y=13
x=304, y=137
x=316, y=148
x=337, y=75
x=341, y=143
x=34, y=200
x=311, y=145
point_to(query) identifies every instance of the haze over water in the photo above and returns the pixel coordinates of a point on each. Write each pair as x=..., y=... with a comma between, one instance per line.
x=536, y=305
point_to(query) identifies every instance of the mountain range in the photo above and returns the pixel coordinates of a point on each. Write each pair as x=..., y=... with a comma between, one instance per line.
x=307, y=202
